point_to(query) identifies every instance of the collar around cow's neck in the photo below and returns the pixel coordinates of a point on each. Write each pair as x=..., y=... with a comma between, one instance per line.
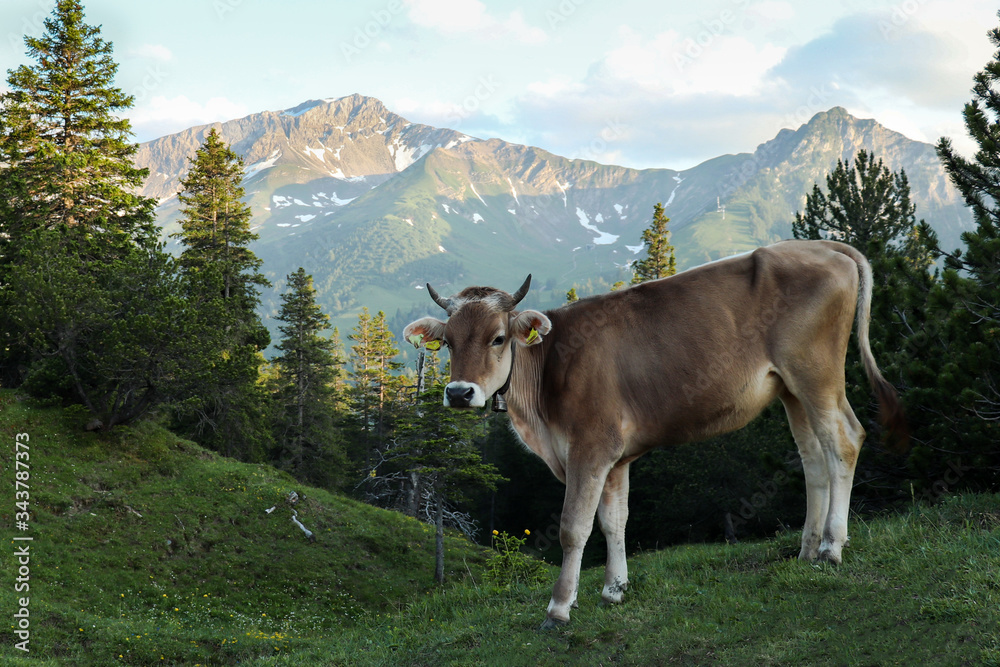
x=499, y=402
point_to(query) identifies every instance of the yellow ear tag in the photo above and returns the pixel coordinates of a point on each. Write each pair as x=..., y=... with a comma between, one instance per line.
x=532, y=336
x=433, y=345
x=415, y=339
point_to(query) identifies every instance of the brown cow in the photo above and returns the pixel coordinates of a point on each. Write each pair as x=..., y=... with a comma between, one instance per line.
x=597, y=383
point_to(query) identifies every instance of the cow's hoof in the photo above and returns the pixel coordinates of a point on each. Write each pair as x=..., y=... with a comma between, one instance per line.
x=553, y=623
x=830, y=556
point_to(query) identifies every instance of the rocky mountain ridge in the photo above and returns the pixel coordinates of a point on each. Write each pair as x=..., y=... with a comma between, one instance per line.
x=375, y=206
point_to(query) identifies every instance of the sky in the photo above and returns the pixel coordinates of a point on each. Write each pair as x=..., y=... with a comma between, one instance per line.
x=640, y=83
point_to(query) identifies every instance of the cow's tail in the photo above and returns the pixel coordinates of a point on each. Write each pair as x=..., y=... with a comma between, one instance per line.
x=890, y=407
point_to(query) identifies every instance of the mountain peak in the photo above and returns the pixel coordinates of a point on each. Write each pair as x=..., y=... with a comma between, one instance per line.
x=374, y=206
x=350, y=138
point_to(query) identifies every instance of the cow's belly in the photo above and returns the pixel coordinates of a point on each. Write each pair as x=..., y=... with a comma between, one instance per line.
x=702, y=414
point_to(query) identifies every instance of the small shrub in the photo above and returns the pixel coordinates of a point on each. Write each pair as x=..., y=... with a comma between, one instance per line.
x=507, y=566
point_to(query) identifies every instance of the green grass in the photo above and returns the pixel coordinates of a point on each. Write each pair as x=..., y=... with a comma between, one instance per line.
x=920, y=588
x=243, y=587
x=151, y=548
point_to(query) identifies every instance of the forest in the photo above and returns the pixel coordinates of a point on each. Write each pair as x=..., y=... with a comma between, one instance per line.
x=96, y=316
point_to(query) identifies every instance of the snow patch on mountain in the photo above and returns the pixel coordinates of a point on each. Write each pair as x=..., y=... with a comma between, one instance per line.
x=603, y=238
x=513, y=191
x=477, y=193
x=258, y=167
x=404, y=156
x=564, y=187
x=295, y=112
x=318, y=153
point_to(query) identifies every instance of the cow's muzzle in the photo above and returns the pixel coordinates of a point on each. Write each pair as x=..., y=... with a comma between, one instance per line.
x=464, y=395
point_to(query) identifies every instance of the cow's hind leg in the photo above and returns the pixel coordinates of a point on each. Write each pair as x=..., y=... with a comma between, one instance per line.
x=613, y=514
x=814, y=465
x=841, y=436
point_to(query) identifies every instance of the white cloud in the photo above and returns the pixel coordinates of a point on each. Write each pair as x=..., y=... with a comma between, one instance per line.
x=470, y=16
x=152, y=51
x=162, y=115
x=706, y=63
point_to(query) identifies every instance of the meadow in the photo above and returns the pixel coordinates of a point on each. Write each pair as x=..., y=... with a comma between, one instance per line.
x=148, y=549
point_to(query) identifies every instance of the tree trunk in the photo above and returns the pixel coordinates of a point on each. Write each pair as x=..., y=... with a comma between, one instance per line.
x=413, y=495
x=439, y=540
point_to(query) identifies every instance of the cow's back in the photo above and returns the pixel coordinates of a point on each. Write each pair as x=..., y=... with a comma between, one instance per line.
x=686, y=357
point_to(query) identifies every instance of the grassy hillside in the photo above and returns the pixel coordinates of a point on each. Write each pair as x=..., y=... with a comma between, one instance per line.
x=149, y=550
x=238, y=586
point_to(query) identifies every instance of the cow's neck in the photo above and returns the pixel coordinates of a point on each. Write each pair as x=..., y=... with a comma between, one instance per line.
x=525, y=405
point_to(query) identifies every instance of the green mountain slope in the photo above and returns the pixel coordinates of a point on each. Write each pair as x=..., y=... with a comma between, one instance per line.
x=374, y=206
x=148, y=549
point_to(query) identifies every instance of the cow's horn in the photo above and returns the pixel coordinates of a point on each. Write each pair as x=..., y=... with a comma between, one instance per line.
x=438, y=299
x=521, y=291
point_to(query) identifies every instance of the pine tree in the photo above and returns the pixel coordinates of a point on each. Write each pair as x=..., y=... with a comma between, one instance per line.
x=215, y=227
x=376, y=386
x=434, y=445
x=215, y=230
x=571, y=295
x=869, y=207
x=660, y=261
x=865, y=206
x=65, y=150
x=308, y=443
x=121, y=337
x=968, y=304
x=65, y=164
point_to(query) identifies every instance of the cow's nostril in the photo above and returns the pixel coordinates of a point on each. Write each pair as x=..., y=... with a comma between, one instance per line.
x=460, y=397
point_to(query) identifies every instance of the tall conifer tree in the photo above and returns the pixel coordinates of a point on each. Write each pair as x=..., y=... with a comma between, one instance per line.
x=865, y=205
x=308, y=444
x=215, y=230
x=65, y=145
x=660, y=261
x=376, y=386
x=91, y=309
x=969, y=306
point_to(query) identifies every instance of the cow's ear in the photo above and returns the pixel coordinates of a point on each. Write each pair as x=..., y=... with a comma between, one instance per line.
x=529, y=327
x=426, y=331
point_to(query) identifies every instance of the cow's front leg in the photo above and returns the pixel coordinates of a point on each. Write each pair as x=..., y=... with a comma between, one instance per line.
x=613, y=513
x=584, y=486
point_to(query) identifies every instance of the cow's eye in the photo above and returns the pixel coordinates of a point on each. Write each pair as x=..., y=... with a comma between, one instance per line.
x=498, y=341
